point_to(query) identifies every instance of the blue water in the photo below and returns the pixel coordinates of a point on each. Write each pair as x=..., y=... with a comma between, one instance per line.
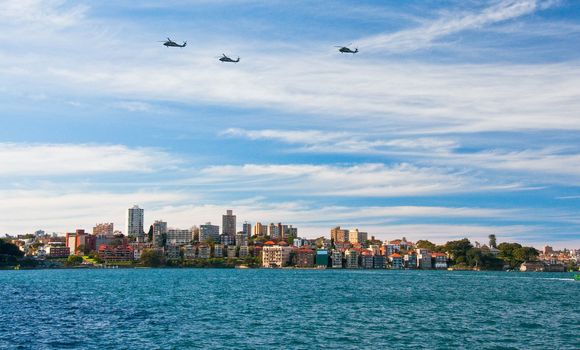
x=287, y=309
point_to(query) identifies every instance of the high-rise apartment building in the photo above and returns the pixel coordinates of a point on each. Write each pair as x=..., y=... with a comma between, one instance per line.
x=229, y=223
x=209, y=231
x=103, y=229
x=273, y=231
x=356, y=236
x=260, y=230
x=135, y=218
x=339, y=235
x=159, y=231
x=247, y=229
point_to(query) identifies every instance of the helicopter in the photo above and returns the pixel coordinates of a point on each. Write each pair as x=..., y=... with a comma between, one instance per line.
x=172, y=43
x=345, y=49
x=225, y=58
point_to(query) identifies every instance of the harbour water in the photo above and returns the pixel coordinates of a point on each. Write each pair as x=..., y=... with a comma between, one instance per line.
x=287, y=309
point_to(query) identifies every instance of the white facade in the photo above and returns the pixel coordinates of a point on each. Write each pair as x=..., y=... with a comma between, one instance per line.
x=178, y=236
x=351, y=257
x=336, y=258
x=135, y=217
x=275, y=256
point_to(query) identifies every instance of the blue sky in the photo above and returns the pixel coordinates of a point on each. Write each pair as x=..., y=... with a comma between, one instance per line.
x=456, y=119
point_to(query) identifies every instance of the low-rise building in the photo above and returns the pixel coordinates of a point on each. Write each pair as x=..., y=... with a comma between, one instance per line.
x=379, y=262
x=232, y=251
x=203, y=251
x=244, y=251
x=366, y=259
x=351, y=259
x=173, y=251
x=440, y=260
x=396, y=261
x=218, y=251
x=189, y=252
x=322, y=258
x=275, y=255
x=532, y=266
x=410, y=260
x=57, y=251
x=305, y=257
x=115, y=253
x=424, y=259
x=336, y=259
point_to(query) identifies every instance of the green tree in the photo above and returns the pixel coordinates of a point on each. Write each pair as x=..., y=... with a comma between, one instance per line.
x=525, y=254
x=152, y=258
x=7, y=248
x=424, y=244
x=74, y=260
x=150, y=234
x=506, y=253
x=458, y=250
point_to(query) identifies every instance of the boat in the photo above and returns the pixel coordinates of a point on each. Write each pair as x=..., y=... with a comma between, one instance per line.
x=577, y=277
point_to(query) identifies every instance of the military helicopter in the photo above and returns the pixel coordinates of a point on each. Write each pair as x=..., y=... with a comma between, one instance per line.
x=172, y=43
x=345, y=49
x=225, y=58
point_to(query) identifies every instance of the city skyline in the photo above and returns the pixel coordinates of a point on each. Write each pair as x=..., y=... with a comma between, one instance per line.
x=453, y=120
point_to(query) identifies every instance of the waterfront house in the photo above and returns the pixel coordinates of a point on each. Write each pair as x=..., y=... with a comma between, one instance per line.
x=244, y=251
x=396, y=261
x=336, y=259
x=115, y=253
x=351, y=257
x=231, y=251
x=275, y=255
x=189, y=252
x=424, y=259
x=203, y=251
x=410, y=260
x=173, y=251
x=532, y=266
x=366, y=259
x=218, y=251
x=305, y=257
x=322, y=258
x=440, y=260
x=379, y=262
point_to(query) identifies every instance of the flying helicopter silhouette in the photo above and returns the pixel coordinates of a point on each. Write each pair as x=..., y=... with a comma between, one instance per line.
x=171, y=43
x=225, y=58
x=345, y=49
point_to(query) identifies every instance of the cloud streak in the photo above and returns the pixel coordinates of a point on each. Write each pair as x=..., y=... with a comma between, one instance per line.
x=452, y=23
x=37, y=160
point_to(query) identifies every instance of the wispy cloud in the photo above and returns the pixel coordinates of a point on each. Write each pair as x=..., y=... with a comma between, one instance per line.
x=45, y=13
x=343, y=142
x=37, y=160
x=451, y=23
x=362, y=180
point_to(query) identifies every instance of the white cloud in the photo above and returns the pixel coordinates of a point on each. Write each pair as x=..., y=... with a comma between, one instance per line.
x=45, y=13
x=372, y=180
x=23, y=160
x=438, y=151
x=427, y=34
x=344, y=142
x=61, y=210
